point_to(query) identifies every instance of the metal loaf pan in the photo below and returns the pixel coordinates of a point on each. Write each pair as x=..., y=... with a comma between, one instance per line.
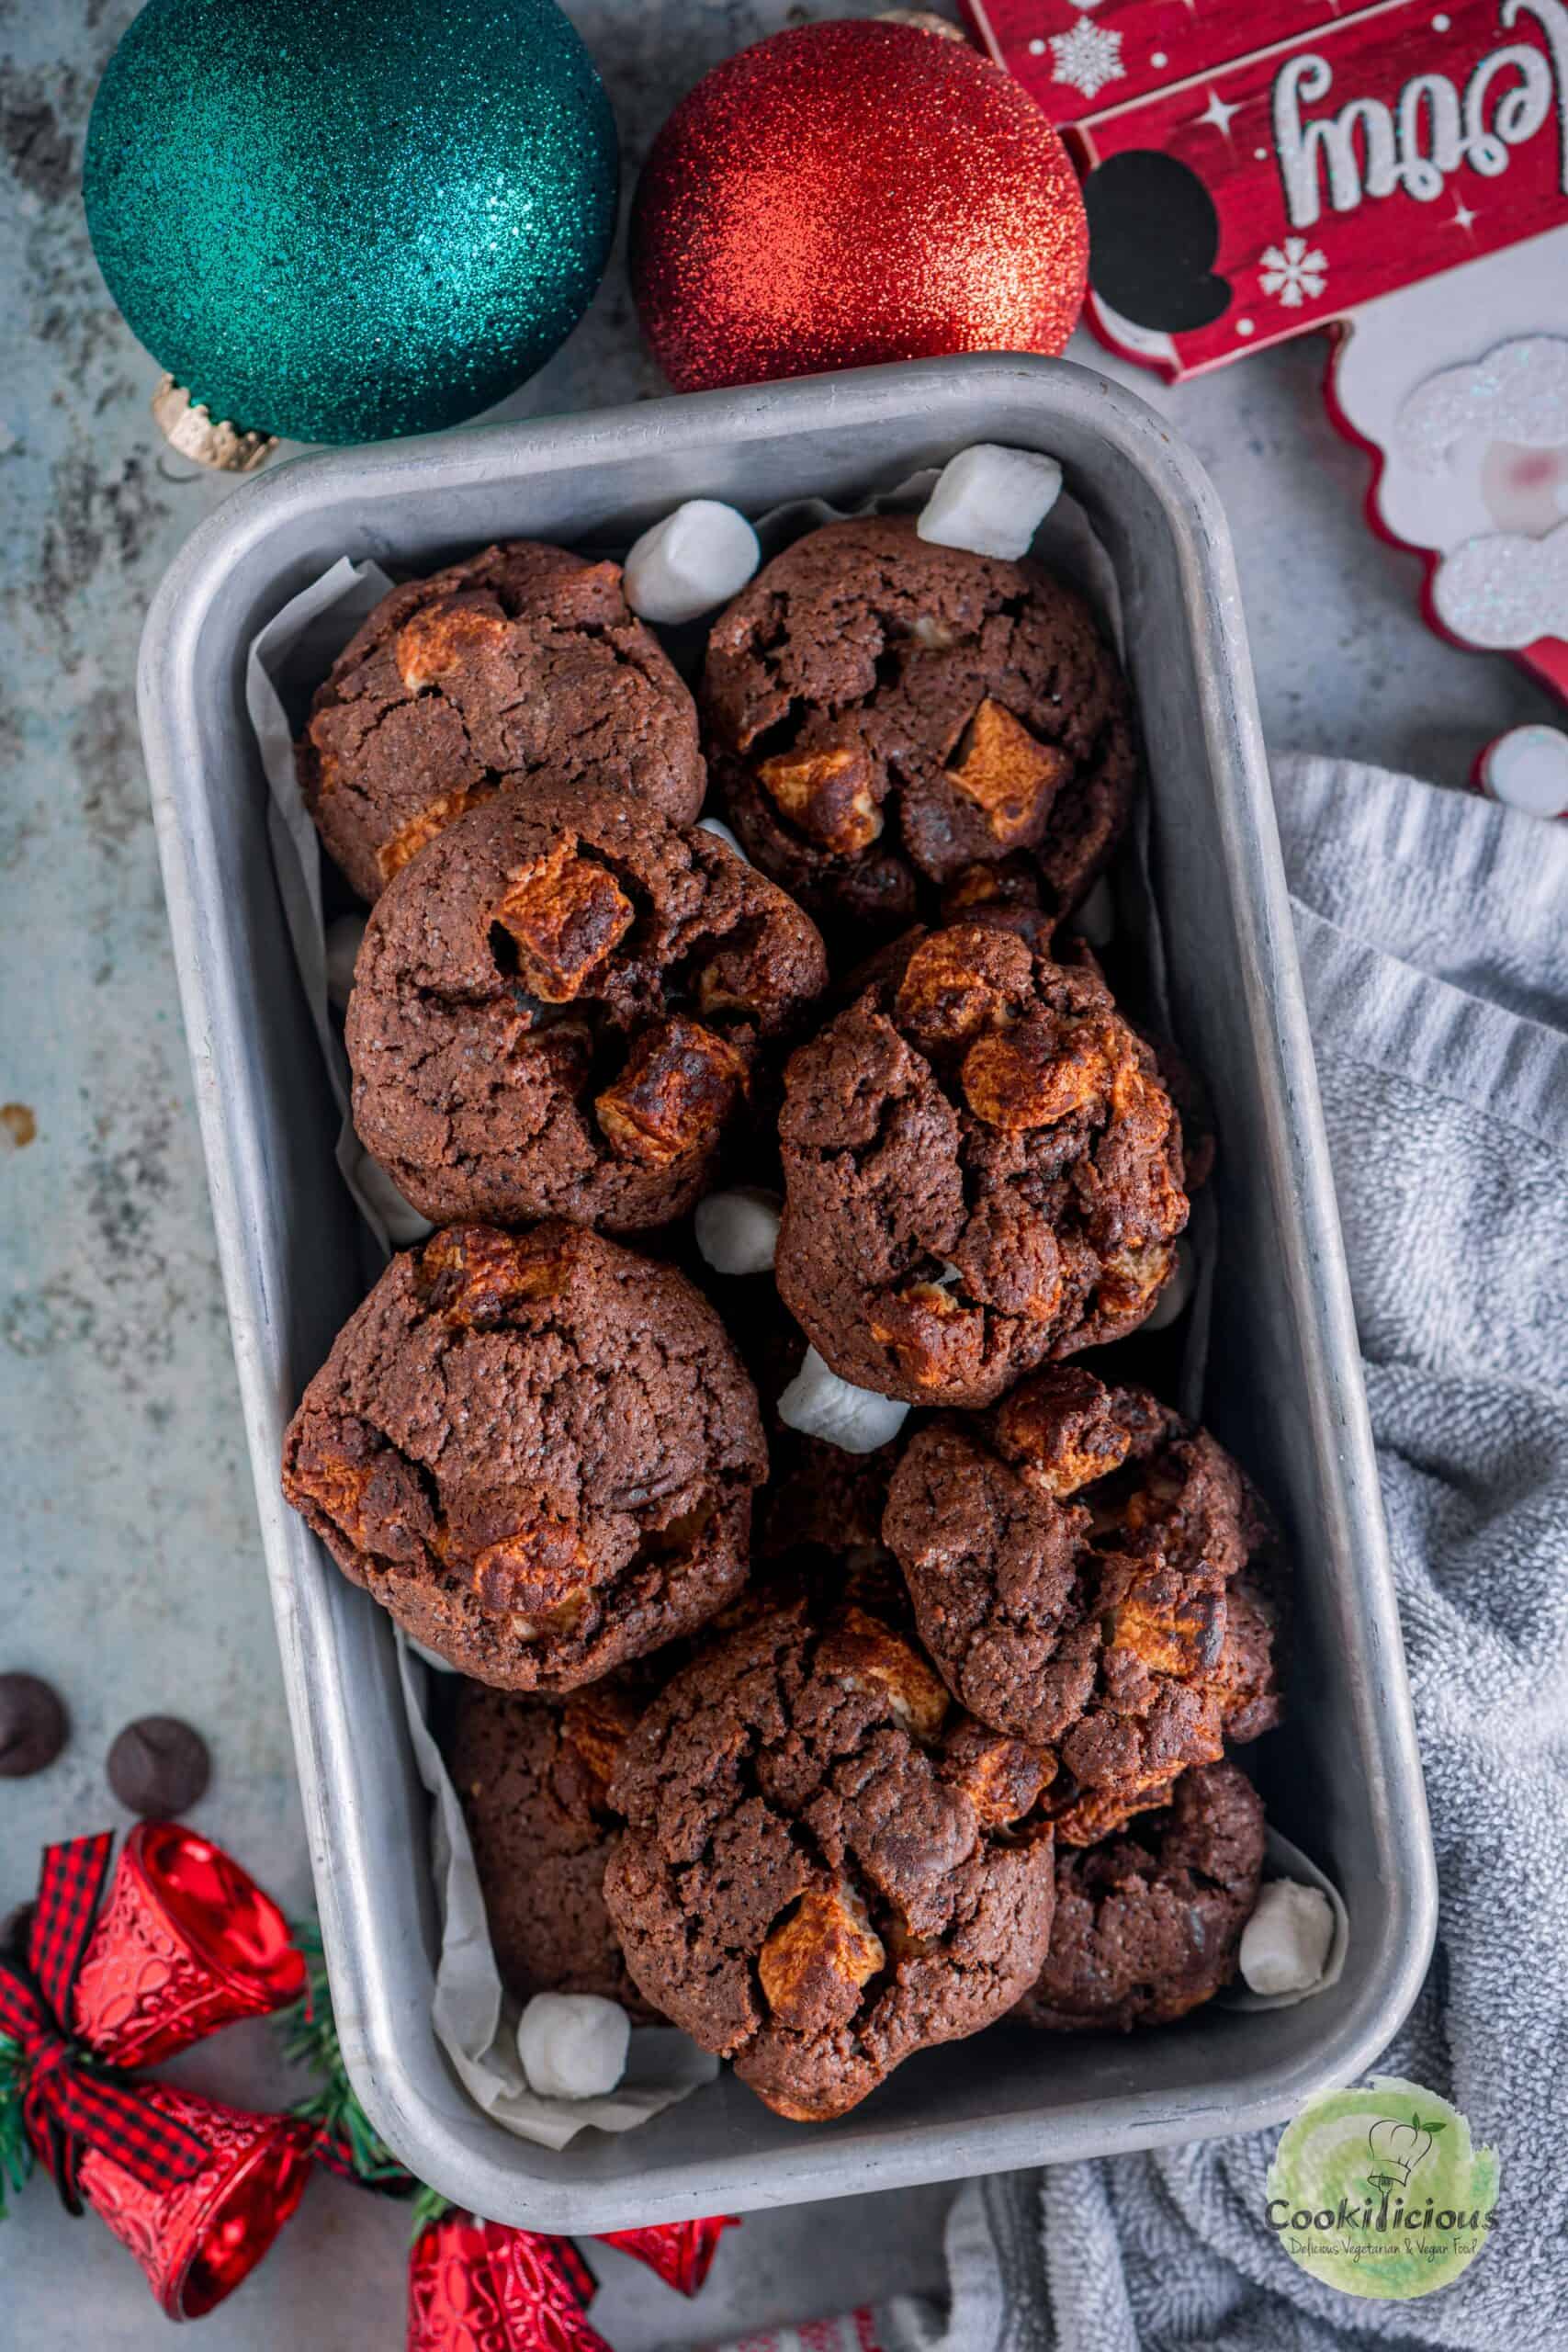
x=1344, y=1779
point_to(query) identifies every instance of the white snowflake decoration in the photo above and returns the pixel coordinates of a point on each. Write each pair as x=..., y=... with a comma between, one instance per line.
x=1088, y=57
x=1295, y=273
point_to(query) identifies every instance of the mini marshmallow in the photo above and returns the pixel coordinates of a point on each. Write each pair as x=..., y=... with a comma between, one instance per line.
x=819, y=1404
x=1285, y=1944
x=1528, y=768
x=342, y=954
x=572, y=2045
x=698, y=557
x=722, y=834
x=1096, y=919
x=1173, y=1299
x=737, y=1231
x=403, y=1222
x=991, y=501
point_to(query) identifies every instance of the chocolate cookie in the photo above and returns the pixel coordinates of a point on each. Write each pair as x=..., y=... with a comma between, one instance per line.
x=519, y=666
x=821, y=1512
x=1007, y=896
x=1147, y=1924
x=881, y=714
x=1072, y=1557
x=981, y=1171
x=816, y=1878
x=533, y=1779
x=536, y=1450
x=563, y=1009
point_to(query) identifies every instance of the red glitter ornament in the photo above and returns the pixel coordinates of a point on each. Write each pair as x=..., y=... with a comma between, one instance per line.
x=681, y=2252
x=848, y=193
x=186, y=1942
x=197, y=2239
x=476, y=2287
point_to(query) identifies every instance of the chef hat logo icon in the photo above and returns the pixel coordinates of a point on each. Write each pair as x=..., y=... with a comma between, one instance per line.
x=1397, y=2148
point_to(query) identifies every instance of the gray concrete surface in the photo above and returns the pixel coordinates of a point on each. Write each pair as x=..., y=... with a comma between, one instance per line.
x=133, y=1576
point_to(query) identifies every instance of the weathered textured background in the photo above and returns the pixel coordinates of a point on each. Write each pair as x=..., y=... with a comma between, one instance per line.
x=134, y=1576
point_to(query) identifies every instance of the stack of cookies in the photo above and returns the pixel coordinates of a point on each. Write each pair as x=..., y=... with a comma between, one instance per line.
x=825, y=1751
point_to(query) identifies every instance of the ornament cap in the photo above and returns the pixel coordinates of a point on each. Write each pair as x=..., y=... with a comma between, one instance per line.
x=188, y=426
x=924, y=20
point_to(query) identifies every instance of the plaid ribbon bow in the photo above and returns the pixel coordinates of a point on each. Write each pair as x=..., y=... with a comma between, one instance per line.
x=335, y=2149
x=71, y=2099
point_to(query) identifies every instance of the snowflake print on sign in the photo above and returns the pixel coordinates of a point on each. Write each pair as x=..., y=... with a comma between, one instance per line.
x=1296, y=272
x=1088, y=57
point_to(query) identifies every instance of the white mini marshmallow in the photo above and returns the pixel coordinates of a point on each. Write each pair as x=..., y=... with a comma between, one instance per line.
x=572, y=2045
x=931, y=635
x=403, y=1222
x=990, y=500
x=1528, y=768
x=722, y=834
x=1284, y=1945
x=737, y=1231
x=819, y=1404
x=698, y=557
x=341, y=949
x=1096, y=919
x=1172, y=1300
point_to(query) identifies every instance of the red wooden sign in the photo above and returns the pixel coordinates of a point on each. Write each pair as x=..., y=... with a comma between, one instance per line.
x=1078, y=57
x=1252, y=172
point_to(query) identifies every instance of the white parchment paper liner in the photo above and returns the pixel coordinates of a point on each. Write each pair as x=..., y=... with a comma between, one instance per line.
x=474, y=2021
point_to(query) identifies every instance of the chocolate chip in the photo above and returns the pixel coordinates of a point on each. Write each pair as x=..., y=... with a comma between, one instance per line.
x=159, y=1766
x=33, y=1725
x=15, y=1929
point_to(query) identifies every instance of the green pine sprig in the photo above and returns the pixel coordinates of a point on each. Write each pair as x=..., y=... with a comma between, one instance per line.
x=429, y=2206
x=16, y=2148
x=309, y=2038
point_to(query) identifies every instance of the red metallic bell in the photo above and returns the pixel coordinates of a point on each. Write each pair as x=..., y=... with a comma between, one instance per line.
x=199, y=2238
x=681, y=2252
x=186, y=1942
x=479, y=2287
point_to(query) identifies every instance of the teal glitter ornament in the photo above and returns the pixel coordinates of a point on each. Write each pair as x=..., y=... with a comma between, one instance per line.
x=343, y=220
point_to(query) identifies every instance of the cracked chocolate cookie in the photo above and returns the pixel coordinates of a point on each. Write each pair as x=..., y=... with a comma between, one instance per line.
x=1147, y=1924
x=981, y=1171
x=817, y=1876
x=563, y=1008
x=533, y=1779
x=881, y=714
x=521, y=665
x=1074, y=1558
x=536, y=1450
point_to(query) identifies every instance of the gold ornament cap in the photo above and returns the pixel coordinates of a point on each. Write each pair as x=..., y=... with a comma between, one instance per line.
x=188, y=426
x=924, y=20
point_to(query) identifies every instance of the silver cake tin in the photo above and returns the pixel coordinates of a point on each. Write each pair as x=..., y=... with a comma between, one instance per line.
x=1343, y=1778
